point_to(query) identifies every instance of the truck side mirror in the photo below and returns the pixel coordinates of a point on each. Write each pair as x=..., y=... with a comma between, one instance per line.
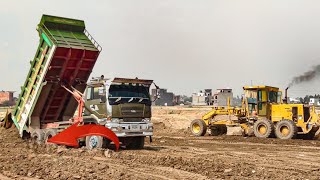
x=103, y=99
x=157, y=95
x=102, y=94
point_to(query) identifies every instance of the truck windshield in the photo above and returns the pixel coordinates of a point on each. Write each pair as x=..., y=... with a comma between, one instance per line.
x=128, y=94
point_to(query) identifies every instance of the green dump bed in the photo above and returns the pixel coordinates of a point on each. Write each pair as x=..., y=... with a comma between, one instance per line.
x=66, y=53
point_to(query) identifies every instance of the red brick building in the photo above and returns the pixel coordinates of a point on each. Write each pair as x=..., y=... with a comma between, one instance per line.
x=6, y=98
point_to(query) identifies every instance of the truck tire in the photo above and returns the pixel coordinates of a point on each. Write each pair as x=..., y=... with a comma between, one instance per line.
x=198, y=127
x=37, y=136
x=136, y=143
x=49, y=134
x=93, y=142
x=263, y=128
x=286, y=129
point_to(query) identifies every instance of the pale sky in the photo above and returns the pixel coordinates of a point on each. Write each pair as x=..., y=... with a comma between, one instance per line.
x=184, y=45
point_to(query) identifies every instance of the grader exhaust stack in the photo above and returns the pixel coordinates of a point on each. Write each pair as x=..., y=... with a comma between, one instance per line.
x=286, y=96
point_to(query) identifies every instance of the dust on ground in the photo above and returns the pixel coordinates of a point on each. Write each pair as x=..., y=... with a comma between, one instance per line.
x=173, y=154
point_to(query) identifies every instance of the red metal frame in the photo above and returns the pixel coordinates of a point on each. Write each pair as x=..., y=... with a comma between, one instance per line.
x=78, y=130
x=78, y=97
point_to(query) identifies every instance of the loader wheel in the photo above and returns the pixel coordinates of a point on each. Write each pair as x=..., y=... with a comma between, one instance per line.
x=263, y=128
x=93, y=142
x=198, y=127
x=49, y=134
x=38, y=136
x=286, y=129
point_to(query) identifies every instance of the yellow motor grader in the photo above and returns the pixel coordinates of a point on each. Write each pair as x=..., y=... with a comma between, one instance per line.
x=263, y=113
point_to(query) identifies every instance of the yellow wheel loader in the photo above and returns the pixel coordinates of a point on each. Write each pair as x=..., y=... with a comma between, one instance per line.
x=263, y=113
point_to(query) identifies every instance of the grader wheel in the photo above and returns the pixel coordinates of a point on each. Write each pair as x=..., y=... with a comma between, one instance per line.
x=198, y=127
x=263, y=128
x=286, y=129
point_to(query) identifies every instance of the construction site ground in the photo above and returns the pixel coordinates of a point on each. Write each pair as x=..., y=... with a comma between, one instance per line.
x=173, y=154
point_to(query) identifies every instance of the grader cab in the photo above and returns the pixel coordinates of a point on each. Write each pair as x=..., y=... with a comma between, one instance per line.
x=263, y=113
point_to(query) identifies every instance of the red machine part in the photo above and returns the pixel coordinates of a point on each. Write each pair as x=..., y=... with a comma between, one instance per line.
x=78, y=97
x=70, y=135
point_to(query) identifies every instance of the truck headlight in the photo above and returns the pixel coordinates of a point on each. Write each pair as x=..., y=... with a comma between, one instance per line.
x=115, y=120
x=146, y=120
x=102, y=121
x=116, y=129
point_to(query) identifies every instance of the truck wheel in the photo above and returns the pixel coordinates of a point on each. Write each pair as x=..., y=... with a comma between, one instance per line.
x=38, y=136
x=49, y=134
x=263, y=128
x=286, y=129
x=136, y=143
x=93, y=142
x=198, y=127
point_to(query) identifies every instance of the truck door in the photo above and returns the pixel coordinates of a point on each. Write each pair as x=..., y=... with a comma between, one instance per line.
x=95, y=100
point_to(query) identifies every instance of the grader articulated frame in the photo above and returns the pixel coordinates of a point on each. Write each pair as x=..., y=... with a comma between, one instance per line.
x=263, y=113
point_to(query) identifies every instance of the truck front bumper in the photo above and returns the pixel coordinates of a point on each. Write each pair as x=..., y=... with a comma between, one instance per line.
x=131, y=129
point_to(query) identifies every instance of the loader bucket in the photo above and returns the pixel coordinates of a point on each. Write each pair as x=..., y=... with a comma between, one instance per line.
x=70, y=135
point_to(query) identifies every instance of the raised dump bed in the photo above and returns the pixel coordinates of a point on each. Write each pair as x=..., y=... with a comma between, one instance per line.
x=66, y=54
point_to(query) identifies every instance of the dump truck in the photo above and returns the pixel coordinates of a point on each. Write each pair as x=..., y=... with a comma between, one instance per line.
x=54, y=87
x=264, y=113
x=122, y=105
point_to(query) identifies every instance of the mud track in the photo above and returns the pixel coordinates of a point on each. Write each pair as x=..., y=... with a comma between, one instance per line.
x=174, y=154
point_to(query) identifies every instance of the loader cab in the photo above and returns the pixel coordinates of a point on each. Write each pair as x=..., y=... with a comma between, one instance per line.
x=258, y=99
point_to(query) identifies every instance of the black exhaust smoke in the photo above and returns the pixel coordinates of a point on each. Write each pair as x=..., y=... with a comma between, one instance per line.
x=306, y=77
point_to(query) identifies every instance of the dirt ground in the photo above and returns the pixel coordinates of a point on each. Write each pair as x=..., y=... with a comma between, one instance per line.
x=173, y=154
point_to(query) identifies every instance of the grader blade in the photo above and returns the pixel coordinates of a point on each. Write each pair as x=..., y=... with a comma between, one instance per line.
x=234, y=130
x=70, y=135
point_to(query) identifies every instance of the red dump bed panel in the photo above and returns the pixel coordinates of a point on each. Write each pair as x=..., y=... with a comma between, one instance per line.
x=68, y=66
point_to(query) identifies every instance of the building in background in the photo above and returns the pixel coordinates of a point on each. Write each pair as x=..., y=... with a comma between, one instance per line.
x=177, y=100
x=6, y=98
x=220, y=98
x=199, y=99
x=314, y=101
x=166, y=98
x=208, y=97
